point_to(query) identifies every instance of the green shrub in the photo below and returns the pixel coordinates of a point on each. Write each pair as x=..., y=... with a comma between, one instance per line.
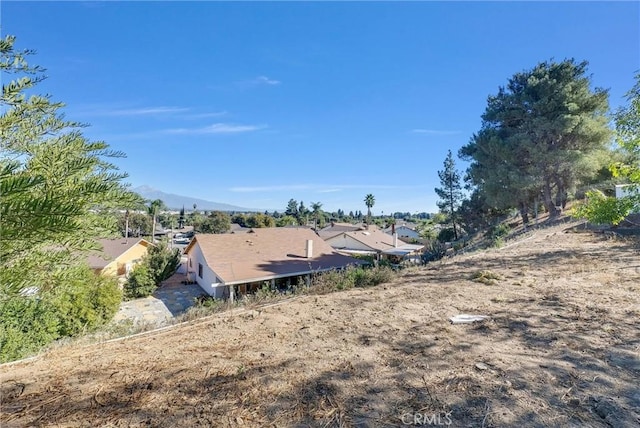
x=161, y=261
x=84, y=302
x=327, y=282
x=497, y=234
x=602, y=209
x=26, y=325
x=140, y=283
x=380, y=275
x=78, y=300
x=434, y=250
x=262, y=295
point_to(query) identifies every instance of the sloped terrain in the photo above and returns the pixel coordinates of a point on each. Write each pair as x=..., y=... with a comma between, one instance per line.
x=561, y=348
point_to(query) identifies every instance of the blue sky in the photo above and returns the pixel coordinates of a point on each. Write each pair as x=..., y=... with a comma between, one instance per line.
x=253, y=104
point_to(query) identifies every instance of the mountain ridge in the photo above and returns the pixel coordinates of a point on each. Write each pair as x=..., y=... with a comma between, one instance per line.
x=175, y=201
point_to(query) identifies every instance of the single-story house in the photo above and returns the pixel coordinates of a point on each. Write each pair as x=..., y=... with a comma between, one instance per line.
x=404, y=231
x=374, y=242
x=118, y=256
x=335, y=228
x=226, y=265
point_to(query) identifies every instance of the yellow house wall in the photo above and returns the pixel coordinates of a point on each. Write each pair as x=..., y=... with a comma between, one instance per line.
x=134, y=253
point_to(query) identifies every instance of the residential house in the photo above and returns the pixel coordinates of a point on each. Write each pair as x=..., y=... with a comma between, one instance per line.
x=229, y=264
x=118, y=256
x=236, y=228
x=406, y=231
x=374, y=241
x=337, y=228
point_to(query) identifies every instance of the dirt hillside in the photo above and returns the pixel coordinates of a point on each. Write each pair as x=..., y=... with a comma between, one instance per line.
x=561, y=347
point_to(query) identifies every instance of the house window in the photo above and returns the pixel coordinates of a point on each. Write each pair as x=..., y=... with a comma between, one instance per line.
x=200, y=270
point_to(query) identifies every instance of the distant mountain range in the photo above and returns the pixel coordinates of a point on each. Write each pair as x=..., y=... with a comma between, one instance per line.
x=176, y=202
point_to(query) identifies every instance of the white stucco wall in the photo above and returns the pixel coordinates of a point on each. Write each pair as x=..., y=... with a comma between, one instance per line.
x=209, y=281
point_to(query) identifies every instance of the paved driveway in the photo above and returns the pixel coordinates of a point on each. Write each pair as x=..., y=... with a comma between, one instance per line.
x=169, y=300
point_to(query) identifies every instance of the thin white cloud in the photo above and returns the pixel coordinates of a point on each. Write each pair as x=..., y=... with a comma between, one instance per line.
x=146, y=111
x=207, y=115
x=267, y=81
x=217, y=128
x=245, y=84
x=250, y=189
x=318, y=188
x=434, y=132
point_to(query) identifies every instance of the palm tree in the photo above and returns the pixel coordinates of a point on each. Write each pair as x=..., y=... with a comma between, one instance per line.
x=317, y=209
x=369, y=201
x=153, y=210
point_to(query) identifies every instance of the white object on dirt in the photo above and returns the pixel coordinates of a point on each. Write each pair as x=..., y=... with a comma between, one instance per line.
x=467, y=319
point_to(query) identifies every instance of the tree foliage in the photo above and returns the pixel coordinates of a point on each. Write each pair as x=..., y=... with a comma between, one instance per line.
x=259, y=220
x=157, y=265
x=369, y=201
x=59, y=194
x=540, y=135
x=59, y=190
x=139, y=224
x=162, y=261
x=216, y=222
x=316, y=209
x=450, y=192
x=292, y=208
x=602, y=209
x=627, y=122
x=81, y=303
x=140, y=283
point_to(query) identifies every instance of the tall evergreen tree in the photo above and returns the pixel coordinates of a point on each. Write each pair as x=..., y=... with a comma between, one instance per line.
x=292, y=208
x=540, y=135
x=450, y=192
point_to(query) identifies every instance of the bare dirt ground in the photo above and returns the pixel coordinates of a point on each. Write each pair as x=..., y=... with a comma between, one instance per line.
x=561, y=348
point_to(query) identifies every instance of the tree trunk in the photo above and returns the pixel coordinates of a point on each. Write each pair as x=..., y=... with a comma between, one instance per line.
x=547, y=199
x=561, y=196
x=524, y=212
x=153, y=229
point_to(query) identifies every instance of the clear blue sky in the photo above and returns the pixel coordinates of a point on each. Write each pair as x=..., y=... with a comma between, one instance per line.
x=253, y=104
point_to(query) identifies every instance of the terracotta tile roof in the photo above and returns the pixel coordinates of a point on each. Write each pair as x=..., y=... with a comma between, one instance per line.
x=267, y=253
x=112, y=249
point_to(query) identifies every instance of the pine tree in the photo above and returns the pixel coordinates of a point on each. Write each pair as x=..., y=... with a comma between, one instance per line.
x=540, y=135
x=450, y=193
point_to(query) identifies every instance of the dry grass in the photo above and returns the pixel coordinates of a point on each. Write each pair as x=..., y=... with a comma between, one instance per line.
x=560, y=349
x=486, y=277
